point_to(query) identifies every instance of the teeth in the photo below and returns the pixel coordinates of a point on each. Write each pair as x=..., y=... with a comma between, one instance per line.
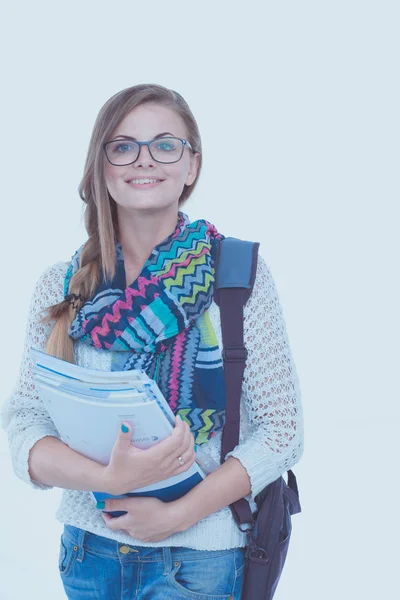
x=144, y=181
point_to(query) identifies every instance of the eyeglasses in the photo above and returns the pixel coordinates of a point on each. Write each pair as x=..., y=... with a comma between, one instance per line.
x=163, y=150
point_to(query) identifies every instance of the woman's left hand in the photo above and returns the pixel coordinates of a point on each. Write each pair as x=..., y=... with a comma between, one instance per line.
x=147, y=519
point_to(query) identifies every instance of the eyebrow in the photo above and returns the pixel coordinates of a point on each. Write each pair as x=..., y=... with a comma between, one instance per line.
x=130, y=137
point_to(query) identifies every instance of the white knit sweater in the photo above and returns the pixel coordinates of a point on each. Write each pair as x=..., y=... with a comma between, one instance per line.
x=271, y=428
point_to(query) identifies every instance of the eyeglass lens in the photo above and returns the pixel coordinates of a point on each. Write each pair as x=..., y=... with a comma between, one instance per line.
x=122, y=152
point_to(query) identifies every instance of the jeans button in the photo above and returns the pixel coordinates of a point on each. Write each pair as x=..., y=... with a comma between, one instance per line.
x=124, y=549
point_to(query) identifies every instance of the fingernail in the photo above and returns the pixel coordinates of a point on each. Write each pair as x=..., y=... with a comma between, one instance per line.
x=181, y=417
x=124, y=428
x=101, y=504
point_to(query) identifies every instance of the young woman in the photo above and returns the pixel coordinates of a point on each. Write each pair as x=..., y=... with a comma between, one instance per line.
x=139, y=294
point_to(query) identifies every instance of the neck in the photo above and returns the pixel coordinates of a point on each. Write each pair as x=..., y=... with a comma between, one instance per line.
x=141, y=231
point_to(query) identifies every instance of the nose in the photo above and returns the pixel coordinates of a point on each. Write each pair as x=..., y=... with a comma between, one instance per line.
x=144, y=157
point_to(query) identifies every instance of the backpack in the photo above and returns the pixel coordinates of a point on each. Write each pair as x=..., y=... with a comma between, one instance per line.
x=269, y=529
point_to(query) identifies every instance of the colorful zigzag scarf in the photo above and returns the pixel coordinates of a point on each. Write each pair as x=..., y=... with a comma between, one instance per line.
x=160, y=323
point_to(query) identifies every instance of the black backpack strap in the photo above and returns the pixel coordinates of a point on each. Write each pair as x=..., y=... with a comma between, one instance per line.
x=235, y=273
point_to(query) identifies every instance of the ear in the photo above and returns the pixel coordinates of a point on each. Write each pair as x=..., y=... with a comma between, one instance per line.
x=194, y=166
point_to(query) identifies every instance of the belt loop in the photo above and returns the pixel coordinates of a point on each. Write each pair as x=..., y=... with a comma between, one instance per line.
x=80, y=544
x=167, y=560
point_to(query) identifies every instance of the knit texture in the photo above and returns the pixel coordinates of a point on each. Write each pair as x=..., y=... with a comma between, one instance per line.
x=271, y=426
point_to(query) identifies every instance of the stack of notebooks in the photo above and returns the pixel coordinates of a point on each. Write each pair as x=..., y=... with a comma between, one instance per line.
x=88, y=406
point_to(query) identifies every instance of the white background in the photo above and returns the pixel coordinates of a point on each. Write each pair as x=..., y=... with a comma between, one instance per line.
x=298, y=107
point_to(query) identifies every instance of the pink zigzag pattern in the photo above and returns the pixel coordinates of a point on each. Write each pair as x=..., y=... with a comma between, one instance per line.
x=104, y=328
x=213, y=232
x=176, y=361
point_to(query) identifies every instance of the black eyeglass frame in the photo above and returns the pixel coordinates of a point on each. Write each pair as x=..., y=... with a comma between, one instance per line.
x=140, y=144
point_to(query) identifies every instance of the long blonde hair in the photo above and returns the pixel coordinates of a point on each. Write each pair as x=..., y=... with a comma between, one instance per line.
x=100, y=216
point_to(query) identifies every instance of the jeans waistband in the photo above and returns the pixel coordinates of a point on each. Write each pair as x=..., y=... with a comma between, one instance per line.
x=85, y=540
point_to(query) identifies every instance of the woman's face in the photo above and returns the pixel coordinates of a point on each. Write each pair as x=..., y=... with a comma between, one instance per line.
x=144, y=123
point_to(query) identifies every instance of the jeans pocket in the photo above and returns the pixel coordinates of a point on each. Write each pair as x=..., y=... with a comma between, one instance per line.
x=211, y=577
x=67, y=555
x=240, y=561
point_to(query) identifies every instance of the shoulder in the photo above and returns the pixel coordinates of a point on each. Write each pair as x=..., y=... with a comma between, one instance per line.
x=264, y=280
x=53, y=273
x=264, y=296
x=49, y=287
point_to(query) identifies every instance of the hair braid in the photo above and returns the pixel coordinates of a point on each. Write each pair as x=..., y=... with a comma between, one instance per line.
x=83, y=284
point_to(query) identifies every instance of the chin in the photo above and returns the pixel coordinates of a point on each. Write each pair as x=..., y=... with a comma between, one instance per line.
x=152, y=204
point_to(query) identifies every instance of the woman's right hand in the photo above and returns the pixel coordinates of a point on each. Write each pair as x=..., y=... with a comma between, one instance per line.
x=130, y=468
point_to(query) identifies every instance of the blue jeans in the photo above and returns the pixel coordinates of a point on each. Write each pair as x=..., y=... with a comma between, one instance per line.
x=95, y=567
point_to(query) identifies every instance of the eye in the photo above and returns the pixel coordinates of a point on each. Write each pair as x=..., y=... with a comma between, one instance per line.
x=122, y=148
x=166, y=145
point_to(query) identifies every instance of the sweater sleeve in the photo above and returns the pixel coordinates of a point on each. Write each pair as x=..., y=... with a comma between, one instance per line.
x=23, y=415
x=271, y=391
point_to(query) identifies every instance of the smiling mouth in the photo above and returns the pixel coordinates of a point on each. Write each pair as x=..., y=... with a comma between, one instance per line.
x=144, y=181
